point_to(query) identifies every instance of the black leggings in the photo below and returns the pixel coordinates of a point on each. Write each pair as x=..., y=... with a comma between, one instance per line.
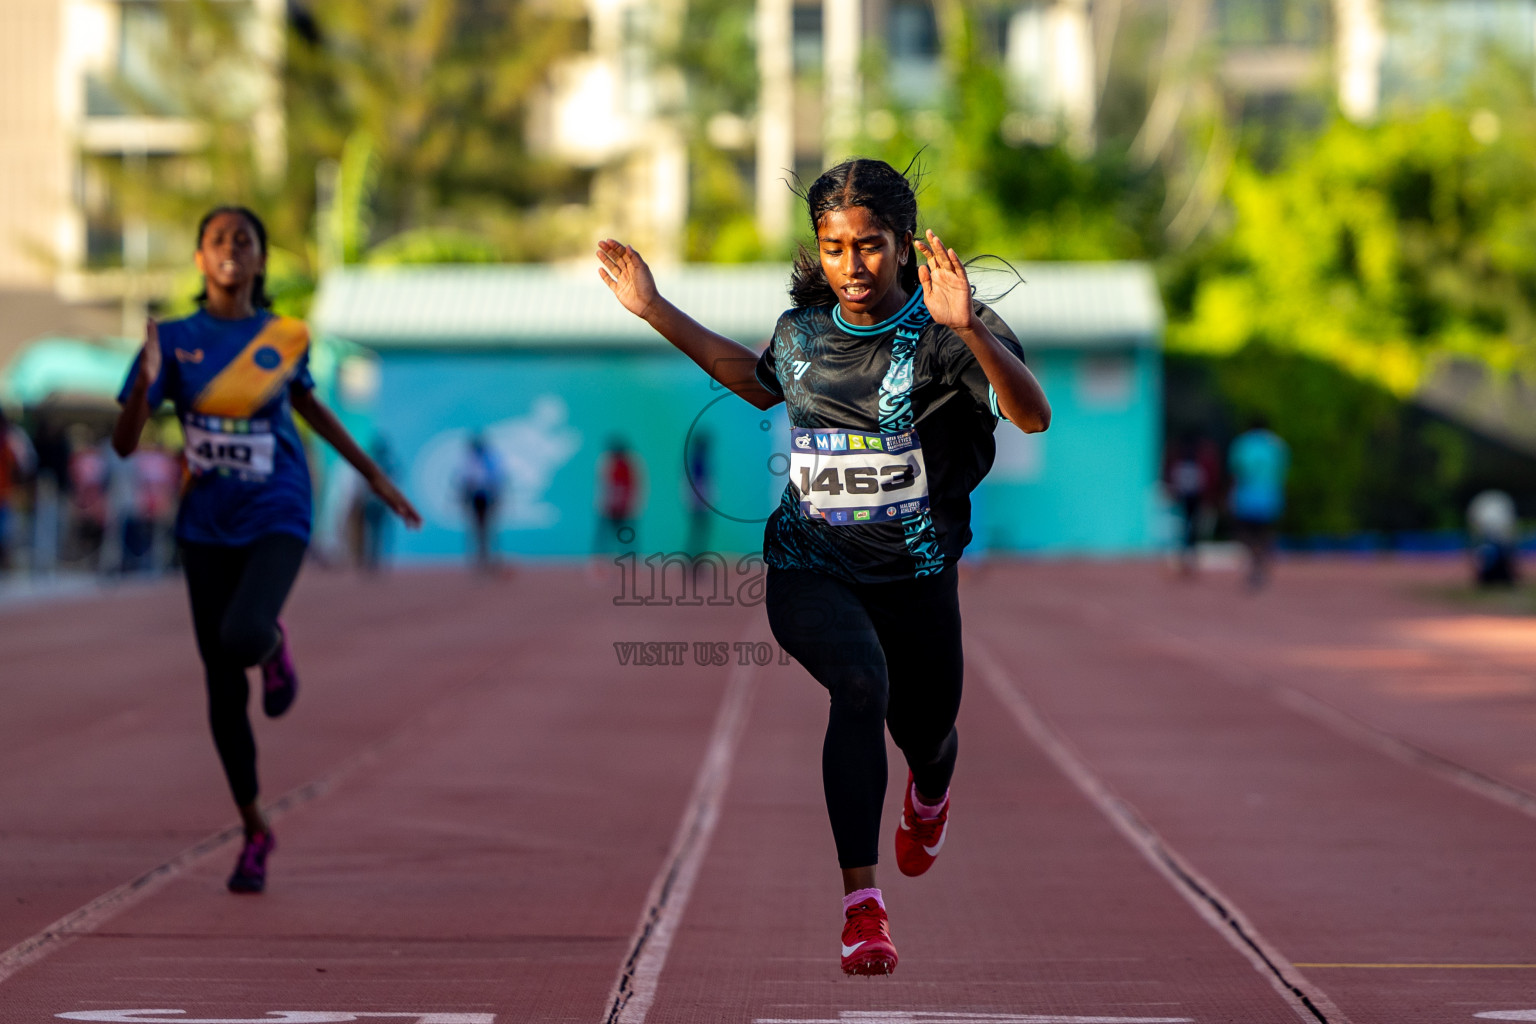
x=237, y=593
x=889, y=655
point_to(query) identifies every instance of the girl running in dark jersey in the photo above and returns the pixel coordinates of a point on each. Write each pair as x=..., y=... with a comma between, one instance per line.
x=236, y=373
x=894, y=377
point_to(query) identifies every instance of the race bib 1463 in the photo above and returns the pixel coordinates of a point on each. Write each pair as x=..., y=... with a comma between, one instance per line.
x=235, y=446
x=847, y=477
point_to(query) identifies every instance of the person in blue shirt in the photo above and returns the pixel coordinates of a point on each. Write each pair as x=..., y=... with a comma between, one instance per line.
x=1258, y=462
x=236, y=373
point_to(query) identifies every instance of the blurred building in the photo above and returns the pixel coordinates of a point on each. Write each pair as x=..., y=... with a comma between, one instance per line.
x=612, y=109
x=1056, y=56
x=84, y=105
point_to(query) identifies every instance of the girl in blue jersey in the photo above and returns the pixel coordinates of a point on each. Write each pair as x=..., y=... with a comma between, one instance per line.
x=894, y=377
x=236, y=373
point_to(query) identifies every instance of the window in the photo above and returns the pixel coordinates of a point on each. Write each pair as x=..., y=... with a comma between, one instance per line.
x=807, y=38
x=914, y=33
x=1273, y=22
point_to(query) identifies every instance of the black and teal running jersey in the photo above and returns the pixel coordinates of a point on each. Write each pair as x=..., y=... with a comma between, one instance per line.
x=891, y=430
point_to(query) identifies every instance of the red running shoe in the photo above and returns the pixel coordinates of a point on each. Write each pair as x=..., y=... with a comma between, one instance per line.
x=867, y=947
x=279, y=679
x=919, y=840
x=251, y=869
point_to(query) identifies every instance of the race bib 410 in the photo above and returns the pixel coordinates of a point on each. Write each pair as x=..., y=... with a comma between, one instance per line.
x=848, y=477
x=229, y=445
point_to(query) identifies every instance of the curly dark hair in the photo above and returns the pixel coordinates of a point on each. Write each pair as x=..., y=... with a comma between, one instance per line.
x=889, y=196
x=259, y=297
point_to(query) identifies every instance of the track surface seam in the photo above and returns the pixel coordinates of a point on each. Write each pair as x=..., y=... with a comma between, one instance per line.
x=635, y=988
x=88, y=918
x=1310, y=1003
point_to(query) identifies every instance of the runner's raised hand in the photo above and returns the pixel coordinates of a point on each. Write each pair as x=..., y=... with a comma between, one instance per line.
x=946, y=288
x=149, y=355
x=627, y=276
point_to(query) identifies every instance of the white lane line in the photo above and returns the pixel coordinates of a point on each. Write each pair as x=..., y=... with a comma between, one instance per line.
x=635, y=988
x=1308, y=1001
x=103, y=908
x=904, y=1017
x=1342, y=723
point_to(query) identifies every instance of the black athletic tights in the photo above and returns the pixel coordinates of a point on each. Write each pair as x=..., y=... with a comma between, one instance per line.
x=889, y=654
x=237, y=593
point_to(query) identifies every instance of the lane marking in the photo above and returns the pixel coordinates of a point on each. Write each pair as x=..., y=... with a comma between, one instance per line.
x=1507, y=1015
x=103, y=908
x=1433, y=967
x=635, y=988
x=1308, y=1002
x=88, y=918
x=1344, y=724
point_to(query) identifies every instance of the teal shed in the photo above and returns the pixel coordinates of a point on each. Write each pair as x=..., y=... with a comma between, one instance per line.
x=549, y=369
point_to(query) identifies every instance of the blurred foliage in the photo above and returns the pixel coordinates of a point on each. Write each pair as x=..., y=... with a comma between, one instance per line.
x=1334, y=282
x=413, y=113
x=1378, y=248
x=717, y=57
x=998, y=179
x=441, y=89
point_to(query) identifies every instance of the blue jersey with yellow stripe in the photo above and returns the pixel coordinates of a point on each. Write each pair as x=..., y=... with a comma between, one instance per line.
x=247, y=472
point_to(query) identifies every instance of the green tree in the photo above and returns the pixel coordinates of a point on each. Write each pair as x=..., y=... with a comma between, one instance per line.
x=412, y=115
x=1379, y=248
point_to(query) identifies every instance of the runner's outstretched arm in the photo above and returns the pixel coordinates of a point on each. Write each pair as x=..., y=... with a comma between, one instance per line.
x=135, y=412
x=729, y=362
x=329, y=427
x=947, y=294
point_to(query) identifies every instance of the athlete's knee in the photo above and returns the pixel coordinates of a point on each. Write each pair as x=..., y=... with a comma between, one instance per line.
x=862, y=694
x=246, y=642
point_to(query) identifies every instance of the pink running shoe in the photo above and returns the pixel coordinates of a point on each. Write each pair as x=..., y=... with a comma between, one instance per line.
x=867, y=946
x=919, y=840
x=279, y=679
x=251, y=869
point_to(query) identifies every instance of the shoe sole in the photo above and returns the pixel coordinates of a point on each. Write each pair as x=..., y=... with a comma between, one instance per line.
x=910, y=873
x=870, y=964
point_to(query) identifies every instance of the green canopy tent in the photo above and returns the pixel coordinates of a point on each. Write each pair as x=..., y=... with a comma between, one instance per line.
x=66, y=369
x=76, y=372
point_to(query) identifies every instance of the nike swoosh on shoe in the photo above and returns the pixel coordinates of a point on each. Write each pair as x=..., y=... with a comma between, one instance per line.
x=850, y=950
x=933, y=851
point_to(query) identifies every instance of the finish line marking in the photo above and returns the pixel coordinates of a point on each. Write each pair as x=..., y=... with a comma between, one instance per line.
x=944, y=1017
x=1308, y=1002
x=635, y=988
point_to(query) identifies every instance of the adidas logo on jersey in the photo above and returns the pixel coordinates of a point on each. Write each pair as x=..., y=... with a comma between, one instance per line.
x=800, y=366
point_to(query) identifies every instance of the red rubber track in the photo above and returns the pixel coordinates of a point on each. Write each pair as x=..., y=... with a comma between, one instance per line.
x=1342, y=759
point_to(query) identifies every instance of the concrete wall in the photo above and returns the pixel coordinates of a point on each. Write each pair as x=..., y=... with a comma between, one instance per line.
x=35, y=158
